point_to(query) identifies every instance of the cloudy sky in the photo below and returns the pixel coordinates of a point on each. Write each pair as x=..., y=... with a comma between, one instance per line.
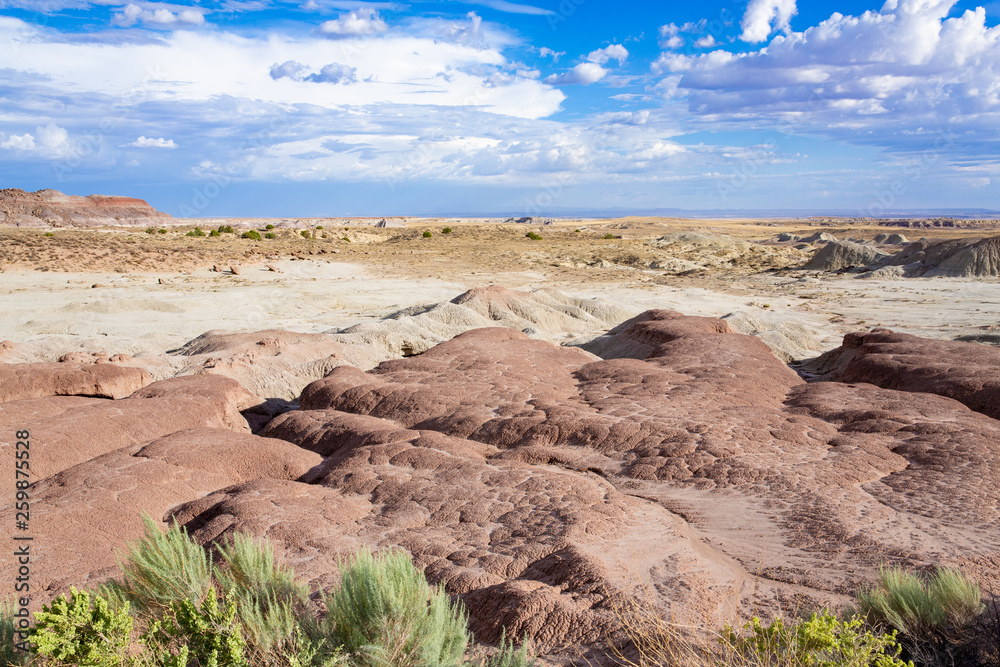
x=343, y=107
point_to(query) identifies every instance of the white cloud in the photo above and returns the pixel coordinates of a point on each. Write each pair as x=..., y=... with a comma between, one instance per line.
x=706, y=42
x=583, y=74
x=22, y=142
x=52, y=137
x=907, y=78
x=546, y=52
x=289, y=69
x=766, y=16
x=362, y=22
x=612, y=52
x=512, y=7
x=157, y=15
x=150, y=142
x=334, y=73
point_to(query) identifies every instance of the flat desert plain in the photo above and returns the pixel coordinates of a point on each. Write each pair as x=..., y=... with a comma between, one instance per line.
x=653, y=408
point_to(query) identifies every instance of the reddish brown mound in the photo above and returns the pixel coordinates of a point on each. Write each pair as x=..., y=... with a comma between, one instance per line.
x=967, y=372
x=82, y=515
x=21, y=381
x=51, y=208
x=68, y=433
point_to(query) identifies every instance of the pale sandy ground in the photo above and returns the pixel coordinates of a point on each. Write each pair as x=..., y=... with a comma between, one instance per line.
x=49, y=314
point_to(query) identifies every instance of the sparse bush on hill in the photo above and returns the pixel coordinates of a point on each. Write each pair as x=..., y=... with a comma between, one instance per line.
x=253, y=235
x=226, y=229
x=533, y=236
x=269, y=227
x=161, y=231
x=319, y=226
x=934, y=617
x=270, y=235
x=215, y=232
x=150, y=230
x=195, y=232
x=427, y=235
x=305, y=233
x=446, y=230
x=48, y=234
x=609, y=235
x=174, y=607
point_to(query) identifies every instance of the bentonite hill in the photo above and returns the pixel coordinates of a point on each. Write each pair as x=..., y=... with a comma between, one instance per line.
x=539, y=454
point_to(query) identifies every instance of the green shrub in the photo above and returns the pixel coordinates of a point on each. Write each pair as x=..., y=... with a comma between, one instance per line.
x=305, y=233
x=577, y=231
x=324, y=235
x=533, y=236
x=215, y=232
x=509, y=656
x=9, y=654
x=319, y=226
x=195, y=232
x=270, y=235
x=609, y=235
x=346, y=239
x=150, y=230
x=253, y=235
x=917, y=608
x=269, y=227
x=205, y=634
x=446, y=230
x=427, y=235
x=161, y=231
x=48, y=234
x=822, y=640
x=934, y=617
x=72, y=631
x=385, y=613
x=226, y=229
x=164, y=567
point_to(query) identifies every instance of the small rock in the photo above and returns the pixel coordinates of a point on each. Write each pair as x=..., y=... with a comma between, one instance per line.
x=96, y=285
x=272, y=267
x=235, y=269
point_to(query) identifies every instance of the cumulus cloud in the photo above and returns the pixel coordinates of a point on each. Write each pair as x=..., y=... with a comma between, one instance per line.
x=670, y=36
x=362, y=22
x=906, y=77
x=335, y=73
x=612, y=52
x=546, y=52
x=706, y=42
x=763, y=17
x=332, y=73
x=157, y=15
x=583, y=74
x=512, y=7
x=18, y=142
x=151, y=142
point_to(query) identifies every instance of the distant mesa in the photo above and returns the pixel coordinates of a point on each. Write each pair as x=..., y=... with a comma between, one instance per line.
x=51, y=208
x=529, y=221
x=953, y=258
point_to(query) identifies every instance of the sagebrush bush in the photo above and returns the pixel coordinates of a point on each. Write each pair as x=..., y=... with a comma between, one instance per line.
x=215, y=232
x=609, y=236
x=163, y=567
x=385, y=613
x=195, y=232
x=427, y=235
x=161, y=231
x=533, y=236
x=270, y=235
x=226, y=229
x=253, y=235
x=934, y=616
x=305, y=234
x=319, y=227
x=80, y=631
x=269, y=227
x=446, y=230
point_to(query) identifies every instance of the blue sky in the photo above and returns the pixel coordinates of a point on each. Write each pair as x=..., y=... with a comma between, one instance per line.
x=342, y=107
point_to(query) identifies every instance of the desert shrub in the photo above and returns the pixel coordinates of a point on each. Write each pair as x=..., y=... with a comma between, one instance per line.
x=576, y=231
x=161, y=231
x=195, y=232
x=9, y=654
x=510, y=656
x=319, y=226
x=150, y=230
x=305, y=233
x=427, y=235
x=823, y=639
x=346, y=239
x=608, y=236
x=933, y=616
x=446, y=230
x=79, y=631
x=269, y=227
x=48, y=234
x=163, y=567
x=385, y=613
x=324, y=235
x=253, y=235
x=270, y=235
x=226, y=229
x=215, y=232
x=533, y=236
x=205, y=635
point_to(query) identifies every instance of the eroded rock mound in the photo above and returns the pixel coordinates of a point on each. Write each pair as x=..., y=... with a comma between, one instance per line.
x=51, y=208
x=966, y=372
x=837, y=255
x=957, y=258
x=22, y=381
